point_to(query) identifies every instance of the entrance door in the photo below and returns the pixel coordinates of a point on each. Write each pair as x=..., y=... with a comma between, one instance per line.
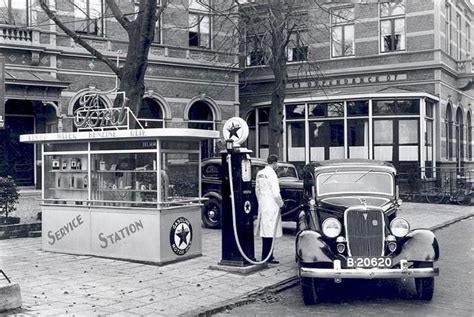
x=17, y=159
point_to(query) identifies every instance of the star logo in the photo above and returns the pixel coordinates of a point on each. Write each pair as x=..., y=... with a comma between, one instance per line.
x=181, y=235
x=247, y=207
x=233, y=130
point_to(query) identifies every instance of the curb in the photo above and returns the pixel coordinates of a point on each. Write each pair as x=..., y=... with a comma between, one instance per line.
x=281, y=286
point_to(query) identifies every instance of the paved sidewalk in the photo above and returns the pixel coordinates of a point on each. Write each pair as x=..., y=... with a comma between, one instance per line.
x=53, y=283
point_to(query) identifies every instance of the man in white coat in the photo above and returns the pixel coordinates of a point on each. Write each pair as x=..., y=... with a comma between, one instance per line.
x=269, y=200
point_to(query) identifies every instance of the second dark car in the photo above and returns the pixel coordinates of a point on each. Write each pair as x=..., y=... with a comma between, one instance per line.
x=291, y=189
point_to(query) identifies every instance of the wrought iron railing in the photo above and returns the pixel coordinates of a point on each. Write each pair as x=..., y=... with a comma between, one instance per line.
x=438, y=185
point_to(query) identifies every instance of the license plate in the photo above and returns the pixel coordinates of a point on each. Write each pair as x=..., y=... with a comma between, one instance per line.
x=366, y=262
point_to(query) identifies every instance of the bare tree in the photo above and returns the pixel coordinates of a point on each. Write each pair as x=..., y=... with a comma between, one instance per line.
x=140, y=37
x=274, y=33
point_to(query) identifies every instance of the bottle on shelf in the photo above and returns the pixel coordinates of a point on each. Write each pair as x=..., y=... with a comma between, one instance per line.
x=84, y=181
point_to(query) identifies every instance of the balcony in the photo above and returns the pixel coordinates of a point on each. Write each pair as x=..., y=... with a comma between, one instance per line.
x=18, y=35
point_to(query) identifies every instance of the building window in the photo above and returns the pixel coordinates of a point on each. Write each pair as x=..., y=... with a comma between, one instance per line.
x=358, y=129
x=295, y=132
x=326, y=131
x=449, y=132
x=342, y=30
x=469, y=137
x=151, y=114
x=255, y=52
x=392, y=26
x=468, y=39
x=297, y=48
x=447, y=28
x=199, y=23
x=396, y=107
x=158, y=26
x=88, y=17
x=14, y=12
x=458, y=37
x=201, y=116
x=429, y=135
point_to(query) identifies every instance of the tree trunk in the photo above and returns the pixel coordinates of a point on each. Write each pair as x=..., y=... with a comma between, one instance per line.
x=279, y=68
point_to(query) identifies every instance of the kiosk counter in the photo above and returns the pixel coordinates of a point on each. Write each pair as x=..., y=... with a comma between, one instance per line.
x=126, y=194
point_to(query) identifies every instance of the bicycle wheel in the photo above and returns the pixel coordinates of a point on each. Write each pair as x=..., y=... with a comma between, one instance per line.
x=435, y=195
x=462, y=197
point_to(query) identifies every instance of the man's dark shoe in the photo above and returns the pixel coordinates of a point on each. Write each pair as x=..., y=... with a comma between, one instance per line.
x=273, y=261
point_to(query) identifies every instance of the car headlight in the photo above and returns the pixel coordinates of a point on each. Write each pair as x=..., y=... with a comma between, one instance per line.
x=399, y=227
x=331, y=227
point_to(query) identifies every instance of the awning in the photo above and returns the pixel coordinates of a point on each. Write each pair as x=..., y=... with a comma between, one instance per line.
x=32, y=85
x=30, y=78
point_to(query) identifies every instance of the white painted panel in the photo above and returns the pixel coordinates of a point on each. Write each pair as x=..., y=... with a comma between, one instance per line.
x=125, y=235
x=66, y=229
x=296, y=154
x=317, y=154
x=359, y=152
x=336, y=152
x=408, y=153
x=383, y=153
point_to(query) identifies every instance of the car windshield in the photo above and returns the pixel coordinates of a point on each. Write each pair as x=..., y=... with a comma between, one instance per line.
x=343, y=182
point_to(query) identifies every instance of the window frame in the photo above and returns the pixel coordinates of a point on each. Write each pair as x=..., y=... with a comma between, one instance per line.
x=159, y=21
x=9, y=18
x=97, y=23
x=392, y=19
x=252, y=41
x=200, y=16
x=343, y=26
x=447, y=28
x=298, y=50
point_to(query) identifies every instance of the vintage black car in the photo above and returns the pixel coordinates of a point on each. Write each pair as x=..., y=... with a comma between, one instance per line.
x=291, y=189
x=349, y=229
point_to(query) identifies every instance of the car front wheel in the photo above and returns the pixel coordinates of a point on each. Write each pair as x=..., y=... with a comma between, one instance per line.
x=211, y=213
x=424, y=285
x=311, y=290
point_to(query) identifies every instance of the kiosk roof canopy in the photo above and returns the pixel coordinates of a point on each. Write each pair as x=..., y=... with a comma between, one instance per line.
x=130, y=135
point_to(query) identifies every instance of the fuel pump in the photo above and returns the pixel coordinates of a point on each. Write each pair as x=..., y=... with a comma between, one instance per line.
x=238, y=207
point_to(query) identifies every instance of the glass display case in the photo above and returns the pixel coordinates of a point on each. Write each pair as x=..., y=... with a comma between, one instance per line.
x=121, y=174
x=125, y=194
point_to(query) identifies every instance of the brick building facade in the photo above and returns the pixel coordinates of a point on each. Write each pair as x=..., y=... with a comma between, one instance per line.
x=394, y=81
x=190, y=81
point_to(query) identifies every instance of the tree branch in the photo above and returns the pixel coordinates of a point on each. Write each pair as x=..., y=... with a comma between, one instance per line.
x=119, y=16
x=78, y=39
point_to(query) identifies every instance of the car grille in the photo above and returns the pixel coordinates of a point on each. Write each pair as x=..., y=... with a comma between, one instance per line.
x=365, y=232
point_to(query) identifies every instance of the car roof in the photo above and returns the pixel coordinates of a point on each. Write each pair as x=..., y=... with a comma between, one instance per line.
x=359, y=163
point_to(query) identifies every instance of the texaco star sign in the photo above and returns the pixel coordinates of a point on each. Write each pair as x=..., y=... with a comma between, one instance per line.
x=236, y=129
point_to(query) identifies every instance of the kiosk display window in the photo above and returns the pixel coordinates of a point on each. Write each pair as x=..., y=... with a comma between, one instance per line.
x=124, y=177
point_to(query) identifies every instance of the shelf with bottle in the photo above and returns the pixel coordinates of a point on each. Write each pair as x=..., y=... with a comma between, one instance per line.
x=68, y=171
x=67, y=189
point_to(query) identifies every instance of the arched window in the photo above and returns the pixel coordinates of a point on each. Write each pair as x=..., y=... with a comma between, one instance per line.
x=469, y=136
x=459, y=136
x=200, y=116
x=151, y=114
x=449, y=131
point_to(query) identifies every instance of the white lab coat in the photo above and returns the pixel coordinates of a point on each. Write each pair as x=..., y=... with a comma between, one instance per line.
x=269, y=200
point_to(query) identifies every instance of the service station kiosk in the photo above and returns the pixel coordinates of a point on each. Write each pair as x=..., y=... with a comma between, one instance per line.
x=128, y=194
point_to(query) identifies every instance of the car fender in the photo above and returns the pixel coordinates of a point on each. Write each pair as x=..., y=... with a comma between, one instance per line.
x=213, y=195
x=418, y=245
x=311, y=248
